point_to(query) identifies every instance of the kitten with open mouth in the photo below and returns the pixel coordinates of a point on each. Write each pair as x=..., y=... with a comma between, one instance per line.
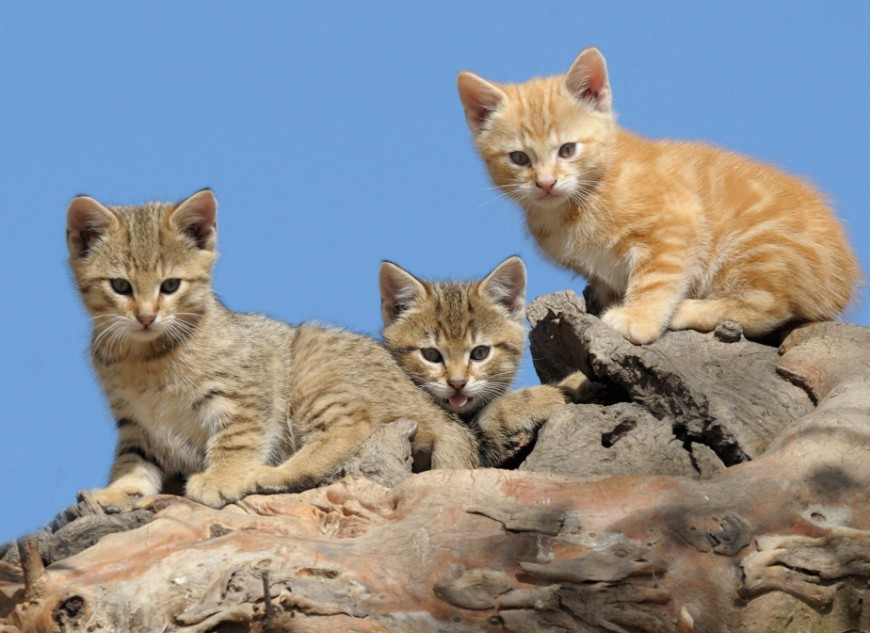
x=459, y=341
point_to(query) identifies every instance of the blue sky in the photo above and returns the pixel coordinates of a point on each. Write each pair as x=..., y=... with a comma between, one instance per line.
x=333, y=137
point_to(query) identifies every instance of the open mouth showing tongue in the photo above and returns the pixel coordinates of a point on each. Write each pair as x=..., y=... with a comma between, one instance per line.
x=458, y=400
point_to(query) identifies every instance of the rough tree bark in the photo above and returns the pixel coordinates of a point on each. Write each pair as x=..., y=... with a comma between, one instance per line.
x=715, y=484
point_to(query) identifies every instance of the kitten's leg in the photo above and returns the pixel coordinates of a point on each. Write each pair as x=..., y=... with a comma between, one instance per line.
x=509, y=423
x=654, y=289
x=450, y=444
x=135, y=472
x=319, y=457
x=241, y=446
x=757, y=311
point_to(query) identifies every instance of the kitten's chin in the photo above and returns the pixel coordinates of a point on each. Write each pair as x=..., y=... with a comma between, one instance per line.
x=547, y=202
x=143, y=335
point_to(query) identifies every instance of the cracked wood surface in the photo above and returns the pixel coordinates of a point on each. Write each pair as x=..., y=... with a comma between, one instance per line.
x=775, y=536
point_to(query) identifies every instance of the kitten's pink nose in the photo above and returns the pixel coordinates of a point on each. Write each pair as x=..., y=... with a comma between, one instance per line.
x=145, y=319
x=546, y=185
x=457, y=383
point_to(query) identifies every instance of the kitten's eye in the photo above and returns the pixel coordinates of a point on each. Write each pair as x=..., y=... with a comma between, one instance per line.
x=520, y=159
x=567, y=150
x=121, y=286
x=431, y=354
x=169, y=286
x=480, y=352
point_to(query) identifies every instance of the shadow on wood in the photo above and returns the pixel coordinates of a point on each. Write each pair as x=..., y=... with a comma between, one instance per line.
x=717, y=485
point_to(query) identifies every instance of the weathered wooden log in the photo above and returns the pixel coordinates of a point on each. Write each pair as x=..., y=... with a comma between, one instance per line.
x=765, y=526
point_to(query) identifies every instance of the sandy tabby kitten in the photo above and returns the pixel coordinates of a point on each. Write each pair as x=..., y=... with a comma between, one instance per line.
x=668, y=234
x=462, y=342
x=236, y=403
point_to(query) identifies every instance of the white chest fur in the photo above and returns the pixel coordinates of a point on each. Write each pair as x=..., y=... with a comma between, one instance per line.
x=177, y=419
x=578, y=247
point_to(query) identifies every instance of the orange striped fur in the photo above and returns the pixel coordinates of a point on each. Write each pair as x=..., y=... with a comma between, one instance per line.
x=668, y=234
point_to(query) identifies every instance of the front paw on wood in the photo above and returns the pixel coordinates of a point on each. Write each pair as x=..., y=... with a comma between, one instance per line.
x=633, y=325
x=108, y=500
x=275, y=480
x=215, y=490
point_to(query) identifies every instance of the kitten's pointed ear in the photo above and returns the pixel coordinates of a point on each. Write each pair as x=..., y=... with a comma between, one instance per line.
x=507, y=286
x=196, y=217
x=86, y=221
x=479, y=97
x=587, y=80
x=399, y=290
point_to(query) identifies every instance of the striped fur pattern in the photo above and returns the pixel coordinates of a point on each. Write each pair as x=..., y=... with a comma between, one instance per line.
x=668, y=234
x=234, y=403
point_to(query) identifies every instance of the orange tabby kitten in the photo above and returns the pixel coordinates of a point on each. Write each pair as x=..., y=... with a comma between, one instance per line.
x=667, y=234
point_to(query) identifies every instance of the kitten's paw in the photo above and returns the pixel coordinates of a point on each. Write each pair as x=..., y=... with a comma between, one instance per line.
x=510, y=423
x=520, y=411
x=111, y=500
x=456, y=447
x=702, y=315
x=633, y=324
x=215, y=489
x=577, y=387
x=270, y=480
